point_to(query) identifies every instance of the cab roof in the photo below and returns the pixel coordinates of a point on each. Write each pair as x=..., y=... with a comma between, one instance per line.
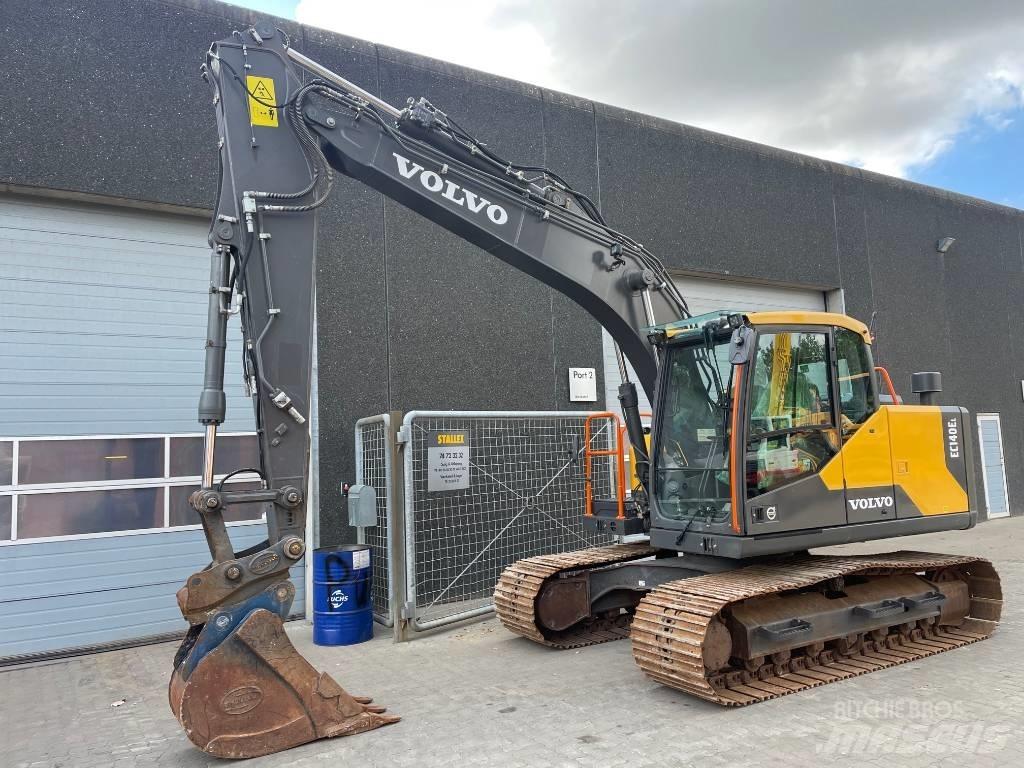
x=803, y=317
x=695, y=325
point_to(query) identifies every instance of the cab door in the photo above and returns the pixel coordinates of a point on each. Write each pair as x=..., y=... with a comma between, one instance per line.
x=863, y=431
x=792, y=437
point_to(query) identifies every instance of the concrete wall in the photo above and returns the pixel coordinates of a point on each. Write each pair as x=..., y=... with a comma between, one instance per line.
x=132, y=120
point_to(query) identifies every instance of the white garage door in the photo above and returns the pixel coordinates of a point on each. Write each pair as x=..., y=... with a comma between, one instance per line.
x=706, y=295
x=102, y=324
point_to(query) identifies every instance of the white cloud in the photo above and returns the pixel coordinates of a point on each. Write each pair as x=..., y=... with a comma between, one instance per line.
x=887, y=86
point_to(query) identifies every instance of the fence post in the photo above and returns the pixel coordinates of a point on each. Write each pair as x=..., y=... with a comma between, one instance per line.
x=396, y=530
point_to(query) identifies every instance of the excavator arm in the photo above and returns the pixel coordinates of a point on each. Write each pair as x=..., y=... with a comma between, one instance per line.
x=287, y=125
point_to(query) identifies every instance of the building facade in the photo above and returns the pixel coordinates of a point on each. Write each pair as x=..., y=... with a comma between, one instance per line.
x=107, y=175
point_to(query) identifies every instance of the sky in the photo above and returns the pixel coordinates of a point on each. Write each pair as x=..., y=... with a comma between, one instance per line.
x=928, y=90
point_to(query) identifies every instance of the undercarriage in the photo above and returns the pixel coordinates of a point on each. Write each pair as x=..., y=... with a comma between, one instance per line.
x=739, y=632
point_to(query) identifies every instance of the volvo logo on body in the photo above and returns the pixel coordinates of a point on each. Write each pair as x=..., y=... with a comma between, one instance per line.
x=874, y=502
x=432, y=182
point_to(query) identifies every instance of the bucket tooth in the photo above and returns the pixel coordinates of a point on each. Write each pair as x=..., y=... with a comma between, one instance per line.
x=254, y=694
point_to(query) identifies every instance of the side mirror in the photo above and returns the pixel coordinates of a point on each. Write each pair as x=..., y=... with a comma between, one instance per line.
x=741, y=345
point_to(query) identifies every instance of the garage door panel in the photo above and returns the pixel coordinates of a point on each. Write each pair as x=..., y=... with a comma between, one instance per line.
x=102, y=328
x=87, y=252
x=86, y=620
x=22, y=260
x=106, y=589
x=122, y=287
x=88, y=565
x=54, y=216
x=26, y=345
x=75, y=303
x=66, y=292
x=104, y=361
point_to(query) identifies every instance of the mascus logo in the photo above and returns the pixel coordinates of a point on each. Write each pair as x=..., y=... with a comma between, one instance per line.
x=873, y=502
x=432, y=182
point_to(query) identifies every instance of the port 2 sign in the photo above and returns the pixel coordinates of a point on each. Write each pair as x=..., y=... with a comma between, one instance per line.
x=582, y=385
x=447, y=460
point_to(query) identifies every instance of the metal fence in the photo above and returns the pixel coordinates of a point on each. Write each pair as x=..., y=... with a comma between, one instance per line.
x=376, y=452
x=517, y=491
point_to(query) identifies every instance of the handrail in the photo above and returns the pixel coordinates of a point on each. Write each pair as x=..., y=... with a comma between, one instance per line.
x=888, y=383
x=616, y=451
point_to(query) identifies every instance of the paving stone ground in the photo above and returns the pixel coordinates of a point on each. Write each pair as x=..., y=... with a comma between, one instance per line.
x=478, y=696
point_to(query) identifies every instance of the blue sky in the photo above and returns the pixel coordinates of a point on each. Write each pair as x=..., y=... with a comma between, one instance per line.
x=929, y=90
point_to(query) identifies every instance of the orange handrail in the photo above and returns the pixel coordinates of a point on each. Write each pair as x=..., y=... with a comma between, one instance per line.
x=734, y=448
x=888, y=383
x=616, y=451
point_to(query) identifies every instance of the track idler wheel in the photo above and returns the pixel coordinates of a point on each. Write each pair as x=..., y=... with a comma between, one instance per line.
x=254, y=694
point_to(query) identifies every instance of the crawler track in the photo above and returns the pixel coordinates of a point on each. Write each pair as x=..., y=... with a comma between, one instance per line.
x=517, y=589
x=671, y=625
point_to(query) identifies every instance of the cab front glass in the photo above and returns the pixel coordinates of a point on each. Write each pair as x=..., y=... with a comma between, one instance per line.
x=691, y=463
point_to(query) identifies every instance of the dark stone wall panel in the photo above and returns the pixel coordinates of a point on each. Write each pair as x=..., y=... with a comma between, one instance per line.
x=569, y=150
x=848, y=198
x=466, y=330
x=106, y=99
x=352, y=340
x=712, y=208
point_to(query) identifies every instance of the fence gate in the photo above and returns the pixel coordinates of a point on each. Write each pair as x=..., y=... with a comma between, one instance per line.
x=377, y=466
x=482, y=490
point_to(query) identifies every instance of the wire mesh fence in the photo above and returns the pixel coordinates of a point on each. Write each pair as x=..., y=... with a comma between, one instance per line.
x=374, y=460
x=517, y=491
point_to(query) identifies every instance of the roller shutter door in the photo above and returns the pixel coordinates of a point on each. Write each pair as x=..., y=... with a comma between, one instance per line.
x=708, y=295
x=102, y=322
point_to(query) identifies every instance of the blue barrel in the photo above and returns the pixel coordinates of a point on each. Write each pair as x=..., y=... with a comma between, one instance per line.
x=342, y=608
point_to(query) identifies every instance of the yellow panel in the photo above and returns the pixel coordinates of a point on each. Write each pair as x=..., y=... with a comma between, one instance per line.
x=634, y=481
x=865, y=460
x=261, y=101
x=917, y=436
x=797, y=317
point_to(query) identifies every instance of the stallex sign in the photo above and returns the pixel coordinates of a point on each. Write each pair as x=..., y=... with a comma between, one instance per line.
x=447, y=460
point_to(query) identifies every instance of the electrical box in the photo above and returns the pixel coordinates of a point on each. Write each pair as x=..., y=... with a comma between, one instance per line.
x=362, y=506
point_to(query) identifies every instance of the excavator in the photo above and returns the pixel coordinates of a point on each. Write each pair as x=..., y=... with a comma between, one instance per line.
x=769, y=436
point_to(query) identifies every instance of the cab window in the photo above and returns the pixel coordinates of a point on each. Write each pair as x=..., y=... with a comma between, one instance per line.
x=791, y=431
x=856, y=395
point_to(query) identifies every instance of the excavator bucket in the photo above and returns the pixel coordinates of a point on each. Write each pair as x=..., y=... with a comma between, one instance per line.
x=250, y=693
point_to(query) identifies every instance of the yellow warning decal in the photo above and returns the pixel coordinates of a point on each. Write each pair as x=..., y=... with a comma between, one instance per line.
x=262, y=109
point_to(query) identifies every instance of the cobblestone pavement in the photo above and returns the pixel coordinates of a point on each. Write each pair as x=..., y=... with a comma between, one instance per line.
x=478, y=696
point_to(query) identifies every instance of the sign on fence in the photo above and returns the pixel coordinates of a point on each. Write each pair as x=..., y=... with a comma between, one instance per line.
x=447, y=460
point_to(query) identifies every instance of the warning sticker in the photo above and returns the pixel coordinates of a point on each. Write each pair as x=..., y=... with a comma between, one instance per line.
x=261, y=101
